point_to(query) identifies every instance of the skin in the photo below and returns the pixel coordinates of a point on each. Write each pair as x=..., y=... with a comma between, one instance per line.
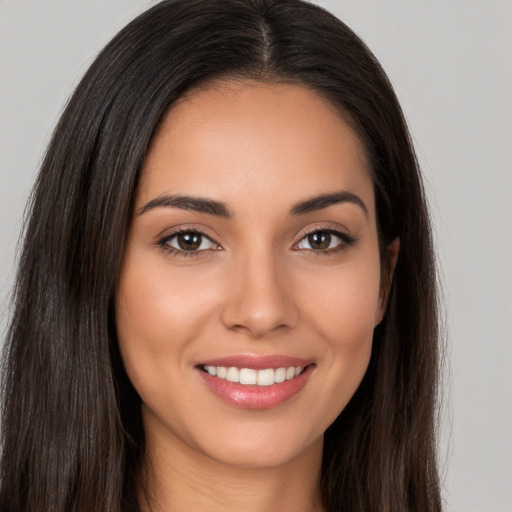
x=258, y=287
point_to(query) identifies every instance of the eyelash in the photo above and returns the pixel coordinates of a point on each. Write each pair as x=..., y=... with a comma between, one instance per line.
x=164, y=243
x=346, y=242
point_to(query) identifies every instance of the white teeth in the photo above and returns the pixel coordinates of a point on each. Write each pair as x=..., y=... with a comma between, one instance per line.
x=212, y=370
x=233, y=374
x=280, y=375
x=248, y=376
x=266, y=377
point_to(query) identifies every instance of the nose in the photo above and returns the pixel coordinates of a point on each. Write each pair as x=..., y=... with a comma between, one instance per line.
x=260, y=299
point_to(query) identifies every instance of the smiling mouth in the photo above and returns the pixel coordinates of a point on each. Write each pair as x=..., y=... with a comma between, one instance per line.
x=251, y=377
x=256, y=383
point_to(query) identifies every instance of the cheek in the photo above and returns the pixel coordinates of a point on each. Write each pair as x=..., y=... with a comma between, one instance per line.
x=156, y=303
x=345, y=301
x=158, y=314
x=342, y=310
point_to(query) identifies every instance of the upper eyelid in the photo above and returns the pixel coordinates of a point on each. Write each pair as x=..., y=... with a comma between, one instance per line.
x=331, y=229
x=185, y=229
x=326, y=228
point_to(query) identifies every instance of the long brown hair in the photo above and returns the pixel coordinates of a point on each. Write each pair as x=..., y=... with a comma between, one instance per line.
x=72, y=438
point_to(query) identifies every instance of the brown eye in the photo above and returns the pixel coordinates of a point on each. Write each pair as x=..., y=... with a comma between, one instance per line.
x=320, y=240
x=325, y=241
x=189, y=241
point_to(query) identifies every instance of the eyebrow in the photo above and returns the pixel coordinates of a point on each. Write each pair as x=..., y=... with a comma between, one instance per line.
x=195, y=204
x=325, y=200
x=212, y=207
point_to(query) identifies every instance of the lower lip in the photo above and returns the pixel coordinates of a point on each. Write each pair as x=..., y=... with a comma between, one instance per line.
x=256, y=397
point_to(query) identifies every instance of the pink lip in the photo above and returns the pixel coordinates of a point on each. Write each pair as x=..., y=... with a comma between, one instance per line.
x=253, y=396
x=257, y=362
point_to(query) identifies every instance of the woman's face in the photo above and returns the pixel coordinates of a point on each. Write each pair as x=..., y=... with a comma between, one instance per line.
x=251, y=281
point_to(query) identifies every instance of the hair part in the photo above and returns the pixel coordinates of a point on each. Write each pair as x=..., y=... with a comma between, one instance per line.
x=62, y=353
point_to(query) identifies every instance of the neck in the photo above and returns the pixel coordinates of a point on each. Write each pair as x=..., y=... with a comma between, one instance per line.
x=178, y=478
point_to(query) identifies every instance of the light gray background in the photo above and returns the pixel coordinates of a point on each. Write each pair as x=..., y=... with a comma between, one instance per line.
x=450, y=62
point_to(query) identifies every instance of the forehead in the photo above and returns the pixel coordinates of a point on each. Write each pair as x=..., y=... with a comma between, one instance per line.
x=272, y=141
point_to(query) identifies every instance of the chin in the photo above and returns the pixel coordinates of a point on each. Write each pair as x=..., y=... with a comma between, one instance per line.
x=261, y=445
x=264, y=455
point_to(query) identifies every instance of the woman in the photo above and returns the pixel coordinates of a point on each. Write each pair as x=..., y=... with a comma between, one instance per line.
x=226, y=296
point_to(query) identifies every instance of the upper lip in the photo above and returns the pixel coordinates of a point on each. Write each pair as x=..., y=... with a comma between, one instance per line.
x=257, y=362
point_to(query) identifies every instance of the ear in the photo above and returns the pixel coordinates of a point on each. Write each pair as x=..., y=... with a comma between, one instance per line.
x=389, y=260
